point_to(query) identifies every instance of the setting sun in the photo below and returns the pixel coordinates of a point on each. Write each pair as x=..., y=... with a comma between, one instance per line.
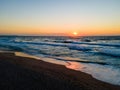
x=75, y=33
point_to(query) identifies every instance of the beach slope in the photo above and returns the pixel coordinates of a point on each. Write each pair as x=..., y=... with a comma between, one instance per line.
x=20, y=73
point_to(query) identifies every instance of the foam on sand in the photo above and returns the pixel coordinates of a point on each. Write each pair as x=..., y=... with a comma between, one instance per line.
x=104, y=73
x=51, y=60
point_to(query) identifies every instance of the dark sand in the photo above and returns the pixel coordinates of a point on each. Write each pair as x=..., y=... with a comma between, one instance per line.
x=19, y=73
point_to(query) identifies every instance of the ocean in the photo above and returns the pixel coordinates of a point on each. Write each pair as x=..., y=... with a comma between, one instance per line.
x=96, y=55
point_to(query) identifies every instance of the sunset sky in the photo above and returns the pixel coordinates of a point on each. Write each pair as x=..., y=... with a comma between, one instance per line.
x=60, y=17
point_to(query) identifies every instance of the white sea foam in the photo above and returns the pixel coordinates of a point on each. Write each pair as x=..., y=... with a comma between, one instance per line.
x=103, y=73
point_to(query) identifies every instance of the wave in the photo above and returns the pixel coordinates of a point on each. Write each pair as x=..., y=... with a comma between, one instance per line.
x=24, y=47
x=11, y=47
x=110, y=52
x=101, y=44
x=70, y=46
x=83, y=48
x=88, y=42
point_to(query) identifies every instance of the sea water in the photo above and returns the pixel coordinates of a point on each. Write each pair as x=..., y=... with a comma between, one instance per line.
x=96, y=55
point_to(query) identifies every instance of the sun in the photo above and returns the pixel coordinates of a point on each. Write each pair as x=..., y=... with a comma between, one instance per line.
x=75, y=33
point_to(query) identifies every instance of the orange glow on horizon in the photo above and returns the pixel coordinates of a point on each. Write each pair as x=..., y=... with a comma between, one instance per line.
x=58, y=31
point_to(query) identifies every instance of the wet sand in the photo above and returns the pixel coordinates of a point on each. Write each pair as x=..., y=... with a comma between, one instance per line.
x=20, y=73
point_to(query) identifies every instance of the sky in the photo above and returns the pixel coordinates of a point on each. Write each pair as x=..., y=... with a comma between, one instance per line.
x=60, y=17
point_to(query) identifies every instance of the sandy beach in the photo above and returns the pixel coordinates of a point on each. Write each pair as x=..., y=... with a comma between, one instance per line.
x=20, y=73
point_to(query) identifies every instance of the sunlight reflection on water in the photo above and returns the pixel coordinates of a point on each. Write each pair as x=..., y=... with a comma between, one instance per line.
x=74, y=65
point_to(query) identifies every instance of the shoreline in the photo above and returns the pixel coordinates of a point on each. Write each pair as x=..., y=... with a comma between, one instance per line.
x=58, y=73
